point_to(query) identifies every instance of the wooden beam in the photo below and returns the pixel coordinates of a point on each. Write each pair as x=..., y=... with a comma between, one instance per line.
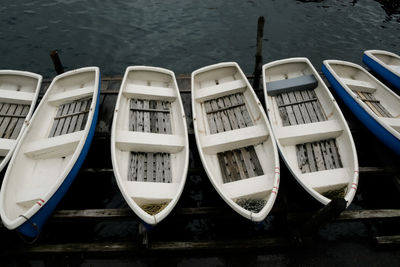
x=388, y=240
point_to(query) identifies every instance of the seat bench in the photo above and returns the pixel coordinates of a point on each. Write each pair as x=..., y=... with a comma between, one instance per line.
x=149, y=92
x=70, y=95
x=247, y=187
x=220, y=90
x=150, y=190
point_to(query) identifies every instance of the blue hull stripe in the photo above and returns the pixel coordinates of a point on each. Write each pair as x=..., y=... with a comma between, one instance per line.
x=46, y=210
x=378, y=130
x=382, y=72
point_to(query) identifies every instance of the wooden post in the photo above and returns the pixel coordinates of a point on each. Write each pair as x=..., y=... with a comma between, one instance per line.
x=57, y=62
x=258, y=66
x=323, y=216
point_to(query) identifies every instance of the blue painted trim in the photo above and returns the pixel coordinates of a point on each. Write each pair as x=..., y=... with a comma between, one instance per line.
x=383, y=72
x=378, y=130
x=44, y=212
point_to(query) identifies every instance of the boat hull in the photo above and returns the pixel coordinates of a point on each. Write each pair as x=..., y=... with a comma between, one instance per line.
x=32, y=227
x=382, y=72
x=376, y=128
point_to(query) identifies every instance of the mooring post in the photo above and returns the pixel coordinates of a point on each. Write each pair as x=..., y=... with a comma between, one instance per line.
x=258, y=66
x=143, y=236
x=57, y=62
x=323, y=216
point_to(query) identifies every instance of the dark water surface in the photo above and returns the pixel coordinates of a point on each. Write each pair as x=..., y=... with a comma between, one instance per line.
x=186, y=35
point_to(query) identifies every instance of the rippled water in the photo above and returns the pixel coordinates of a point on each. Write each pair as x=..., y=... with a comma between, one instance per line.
x=185, y=35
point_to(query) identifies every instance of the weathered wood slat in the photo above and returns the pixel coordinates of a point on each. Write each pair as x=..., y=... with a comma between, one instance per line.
x=317, y=106
x=167, y=117
x=237, y=111
x=132, y=171
x=247, y=162
x=141, y=167
x=282, y=111
x=217, y=116
x=139, y=117
x=335, y=154
x=231, y=114
x=160, y=118
x=289, y=109
x=232, y=166
x=296, y=108
x=302, y=105
x=75, y=115
x=20, y=122
x=13, y=121
x=310, y=156
x=159, y=168
x=146, y=116
x=309, y=106
x=6, y=121
x=210, y=117
x=68, y=118
x=167, y=168
x=223, y=167
x=255, y=161
x=150, y=177
x=246, y=116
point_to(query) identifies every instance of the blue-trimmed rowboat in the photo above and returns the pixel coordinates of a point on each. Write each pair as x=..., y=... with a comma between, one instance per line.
x=19, y=91
x=385, y=64
x=375, y=105
x=51, y=151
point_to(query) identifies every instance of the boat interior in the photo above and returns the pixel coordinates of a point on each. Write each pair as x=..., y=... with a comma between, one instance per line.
x=308, y=128
x=150, y=139
x=233, y=134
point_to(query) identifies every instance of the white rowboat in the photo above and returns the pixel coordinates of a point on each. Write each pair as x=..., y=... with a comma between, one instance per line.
x=149, y=142
x=234, y=140
x=312, y=135
x=51, y=150
x=19, y=92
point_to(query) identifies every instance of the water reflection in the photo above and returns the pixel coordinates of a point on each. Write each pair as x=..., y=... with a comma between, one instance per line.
x=391, y=7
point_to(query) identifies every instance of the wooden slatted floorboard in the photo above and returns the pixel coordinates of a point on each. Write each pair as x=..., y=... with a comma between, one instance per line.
x=71, y=117
x=230, y=113
x=12, y=117
x=299, y=107
x=374, y=104
x=150, y=116
x=318, y=156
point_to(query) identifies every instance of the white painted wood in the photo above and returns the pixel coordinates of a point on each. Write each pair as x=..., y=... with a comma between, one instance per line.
x=14, y=97
x=212, y=83
x=308, y=132
x=150, y=83
x=6, y=145
x=70, y=95
x=222, y=89
x=358, y=85
x=50, y=160
x=58, y=146
x=149, y=142
x=313, y=130
x=234, y=139
x=151, y=190
x=259, y=185
x=149, y=92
